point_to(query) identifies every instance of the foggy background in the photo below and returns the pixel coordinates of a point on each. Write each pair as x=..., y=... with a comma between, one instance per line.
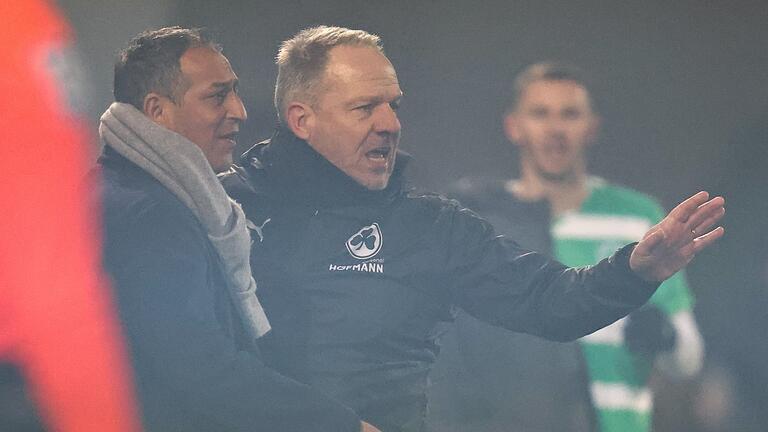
x=682, y=88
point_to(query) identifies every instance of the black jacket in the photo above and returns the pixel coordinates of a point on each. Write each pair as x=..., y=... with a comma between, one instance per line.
x=192, y=370
x=355, y=282
x=487, y=379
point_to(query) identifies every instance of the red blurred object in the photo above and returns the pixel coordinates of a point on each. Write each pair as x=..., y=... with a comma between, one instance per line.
x=57, y=322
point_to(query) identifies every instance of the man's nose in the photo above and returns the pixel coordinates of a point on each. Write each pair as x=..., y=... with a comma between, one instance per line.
x=386, y=120
x=556, y=125
x=236, y=109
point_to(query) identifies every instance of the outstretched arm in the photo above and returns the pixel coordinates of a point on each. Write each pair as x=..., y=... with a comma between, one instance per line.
x=497, y=281
x=672, y=243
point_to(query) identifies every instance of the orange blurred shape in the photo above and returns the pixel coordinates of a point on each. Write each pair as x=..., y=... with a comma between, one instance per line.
x=57, y=321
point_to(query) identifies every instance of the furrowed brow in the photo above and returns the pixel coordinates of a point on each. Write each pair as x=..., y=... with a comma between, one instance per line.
x=224, y=85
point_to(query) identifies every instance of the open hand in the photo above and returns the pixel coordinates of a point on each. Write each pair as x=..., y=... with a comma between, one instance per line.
x=672, y=243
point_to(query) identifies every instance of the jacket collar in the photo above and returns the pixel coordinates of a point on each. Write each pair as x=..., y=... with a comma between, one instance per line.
x=112, y=159
x=292, y=171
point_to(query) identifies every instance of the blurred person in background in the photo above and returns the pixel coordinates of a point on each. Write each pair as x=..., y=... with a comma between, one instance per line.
x=63, y=365
x=177, y=248
x=491, y=380
x=356, y=270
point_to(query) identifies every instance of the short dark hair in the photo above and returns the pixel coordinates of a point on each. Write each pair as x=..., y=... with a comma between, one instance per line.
x=548, y=71
x=150, y=63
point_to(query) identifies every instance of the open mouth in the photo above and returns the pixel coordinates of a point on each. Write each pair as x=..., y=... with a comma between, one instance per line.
x=379, y=153
x=231, y=137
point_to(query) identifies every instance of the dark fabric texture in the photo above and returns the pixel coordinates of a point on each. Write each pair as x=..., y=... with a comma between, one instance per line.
x=18, y=410
x=181, y=167
x=649, y=332
x=488, y=379
x=192, y=368
x=364, y=330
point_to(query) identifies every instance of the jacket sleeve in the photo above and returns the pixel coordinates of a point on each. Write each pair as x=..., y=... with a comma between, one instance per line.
x=497, y=281
x=161, y=271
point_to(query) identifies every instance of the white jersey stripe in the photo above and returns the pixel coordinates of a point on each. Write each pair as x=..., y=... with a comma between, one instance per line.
x=619, y=396
x=599, y=227
x=612, y=335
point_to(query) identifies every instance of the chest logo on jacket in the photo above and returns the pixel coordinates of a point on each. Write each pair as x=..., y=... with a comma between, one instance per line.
x=365, y=243
x=258, y=229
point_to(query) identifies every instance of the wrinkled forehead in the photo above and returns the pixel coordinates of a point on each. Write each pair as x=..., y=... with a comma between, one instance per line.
x=354, y=66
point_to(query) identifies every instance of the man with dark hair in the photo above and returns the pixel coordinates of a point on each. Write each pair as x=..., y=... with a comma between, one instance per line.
x=488, y=379
x=151, y=63
x=356, y=271
x=177, y=248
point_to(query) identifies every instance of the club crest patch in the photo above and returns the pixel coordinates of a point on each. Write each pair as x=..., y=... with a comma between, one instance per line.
x=365, y=243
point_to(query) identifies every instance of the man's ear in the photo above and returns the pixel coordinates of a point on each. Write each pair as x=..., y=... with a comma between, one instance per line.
x=156, y=108
x=300, y=119
x=512, y=127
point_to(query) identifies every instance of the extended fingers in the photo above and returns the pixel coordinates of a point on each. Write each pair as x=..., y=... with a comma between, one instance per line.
x=710, y=221
x=685, y=209
x=706, y=211
x=707, y=239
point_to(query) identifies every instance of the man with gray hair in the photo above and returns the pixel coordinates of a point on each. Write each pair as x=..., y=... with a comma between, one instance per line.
x=356, y=270
x=177, y=248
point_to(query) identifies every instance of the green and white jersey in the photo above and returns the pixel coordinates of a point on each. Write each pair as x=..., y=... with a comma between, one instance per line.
x=611, y=217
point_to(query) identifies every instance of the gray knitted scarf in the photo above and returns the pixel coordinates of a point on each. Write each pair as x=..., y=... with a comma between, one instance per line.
x=179, y=165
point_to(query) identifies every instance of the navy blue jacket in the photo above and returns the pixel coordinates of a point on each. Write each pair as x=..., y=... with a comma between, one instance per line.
x=355, y=282
x=192, y=368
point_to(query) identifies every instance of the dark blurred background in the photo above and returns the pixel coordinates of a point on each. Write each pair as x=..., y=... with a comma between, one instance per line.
x=682, y=87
